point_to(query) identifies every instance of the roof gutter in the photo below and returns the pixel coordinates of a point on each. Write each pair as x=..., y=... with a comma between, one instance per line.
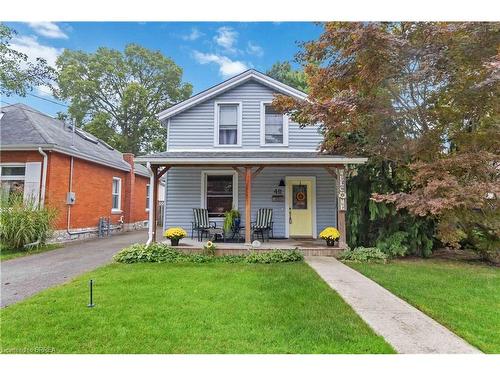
x=62, y=150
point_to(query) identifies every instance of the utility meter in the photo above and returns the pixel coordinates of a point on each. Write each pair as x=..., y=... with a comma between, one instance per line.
x=70, y=197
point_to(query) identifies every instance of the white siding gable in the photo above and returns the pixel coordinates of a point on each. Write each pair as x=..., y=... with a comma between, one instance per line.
x=193, y=129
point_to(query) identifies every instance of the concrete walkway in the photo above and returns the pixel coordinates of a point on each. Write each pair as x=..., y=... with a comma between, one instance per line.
x=403, y=326
x=25, y=276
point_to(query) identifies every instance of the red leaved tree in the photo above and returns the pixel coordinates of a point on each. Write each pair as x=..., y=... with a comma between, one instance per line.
x=422, y=100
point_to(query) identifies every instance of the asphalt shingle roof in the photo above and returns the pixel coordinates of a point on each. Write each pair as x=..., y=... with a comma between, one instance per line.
x=23, y=126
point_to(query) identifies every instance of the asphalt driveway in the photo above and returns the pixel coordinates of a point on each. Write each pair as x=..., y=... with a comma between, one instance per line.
x=25, y=276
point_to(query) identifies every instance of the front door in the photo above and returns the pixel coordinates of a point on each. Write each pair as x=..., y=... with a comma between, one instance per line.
x=300, y=201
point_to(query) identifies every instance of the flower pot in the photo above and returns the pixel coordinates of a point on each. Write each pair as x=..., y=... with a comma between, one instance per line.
x=174, y=241
x=330, y=242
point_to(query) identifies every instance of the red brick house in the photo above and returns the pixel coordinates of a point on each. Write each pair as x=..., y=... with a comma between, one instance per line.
x=81, y=176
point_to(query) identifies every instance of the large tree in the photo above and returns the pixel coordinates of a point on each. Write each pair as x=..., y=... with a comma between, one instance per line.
x=421, y=101
x=18, y=75
x=116, y=95
x=283, y=72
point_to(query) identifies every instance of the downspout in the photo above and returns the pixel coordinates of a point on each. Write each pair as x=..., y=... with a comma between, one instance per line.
x=44, y=176
x=70, y=189
x=150, y=216
x=69, y=207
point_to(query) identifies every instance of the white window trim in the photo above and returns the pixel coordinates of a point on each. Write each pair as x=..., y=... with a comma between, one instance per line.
x=216, y=124
x=263, y=127
x=119, y=209
x=148, y=196
x=12, y=178
x=204, y=174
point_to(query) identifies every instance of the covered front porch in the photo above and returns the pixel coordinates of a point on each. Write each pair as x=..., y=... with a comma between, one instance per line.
x=318, y=179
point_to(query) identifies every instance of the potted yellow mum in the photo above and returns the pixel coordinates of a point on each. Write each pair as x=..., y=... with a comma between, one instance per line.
x=175, y=234
x=330, y=235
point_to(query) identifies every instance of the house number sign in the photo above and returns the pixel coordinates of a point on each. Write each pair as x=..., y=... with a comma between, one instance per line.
x=278, y=195
x=342, y=192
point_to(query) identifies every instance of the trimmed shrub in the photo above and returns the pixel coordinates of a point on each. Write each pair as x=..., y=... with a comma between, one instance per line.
x=364, y=254
x=394, y=245
x=159, y=253
x=274, y=256
x=23, y=223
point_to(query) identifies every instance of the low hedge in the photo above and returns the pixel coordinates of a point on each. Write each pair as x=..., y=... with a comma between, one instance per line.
x=159, y=253
x=363, y=255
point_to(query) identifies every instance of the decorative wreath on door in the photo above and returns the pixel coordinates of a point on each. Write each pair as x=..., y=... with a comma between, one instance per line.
x=300, y=196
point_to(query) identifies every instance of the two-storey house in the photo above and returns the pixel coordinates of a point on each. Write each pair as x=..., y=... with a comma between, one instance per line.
x=228, y=148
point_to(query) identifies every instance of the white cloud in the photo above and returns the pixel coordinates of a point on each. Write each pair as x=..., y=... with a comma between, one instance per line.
x=255, y=49
x=48, y=29
x=30, y=46
x=227, y=67
x=193, y=35
x=226, y=38
x=46, y=90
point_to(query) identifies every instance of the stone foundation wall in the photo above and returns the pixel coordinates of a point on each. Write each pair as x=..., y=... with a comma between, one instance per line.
x=92, y=232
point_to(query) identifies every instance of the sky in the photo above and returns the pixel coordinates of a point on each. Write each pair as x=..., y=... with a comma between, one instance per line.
x=208, y=52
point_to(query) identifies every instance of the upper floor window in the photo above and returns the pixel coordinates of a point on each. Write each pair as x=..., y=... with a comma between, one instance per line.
x=274, y=126
x=227, y=124
x=116, y=193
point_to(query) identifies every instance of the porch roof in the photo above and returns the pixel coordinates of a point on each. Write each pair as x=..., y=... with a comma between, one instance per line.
x=247, y=158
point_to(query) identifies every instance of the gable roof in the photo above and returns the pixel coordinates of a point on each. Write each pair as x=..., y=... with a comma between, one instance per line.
x=247, y=75
x=24, y=128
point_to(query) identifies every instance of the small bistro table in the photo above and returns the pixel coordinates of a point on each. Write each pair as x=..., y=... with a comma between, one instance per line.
x=214, y=232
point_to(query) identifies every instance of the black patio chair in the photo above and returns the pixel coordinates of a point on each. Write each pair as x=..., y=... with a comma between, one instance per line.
x=263, y=223
x=201, y=224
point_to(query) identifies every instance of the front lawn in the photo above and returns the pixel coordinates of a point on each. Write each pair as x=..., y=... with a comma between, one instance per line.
x=462, y=296
x=6, y=254
x=190, y=308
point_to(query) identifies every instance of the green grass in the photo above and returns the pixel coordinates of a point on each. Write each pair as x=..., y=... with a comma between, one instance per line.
x=462, y=296
x=6, y=254
x=186, y=308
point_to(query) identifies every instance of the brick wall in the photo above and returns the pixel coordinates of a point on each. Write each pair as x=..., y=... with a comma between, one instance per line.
x=92, y=184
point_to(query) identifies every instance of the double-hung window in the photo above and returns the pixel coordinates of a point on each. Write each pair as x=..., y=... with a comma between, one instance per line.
x=116, y=193
x=220, y=193
x=228, y=124
x=12, y=178
x=274, y=126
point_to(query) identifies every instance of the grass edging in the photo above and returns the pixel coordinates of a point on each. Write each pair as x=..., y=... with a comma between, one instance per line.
x=461, y=296
x=7, y=254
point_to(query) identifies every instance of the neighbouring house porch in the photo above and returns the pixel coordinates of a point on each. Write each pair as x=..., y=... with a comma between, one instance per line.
x=311, y=191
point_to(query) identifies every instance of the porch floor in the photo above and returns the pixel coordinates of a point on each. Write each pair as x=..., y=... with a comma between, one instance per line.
x=310, y=247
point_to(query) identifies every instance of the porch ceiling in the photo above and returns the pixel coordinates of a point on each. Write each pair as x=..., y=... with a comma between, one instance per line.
x=246, y=158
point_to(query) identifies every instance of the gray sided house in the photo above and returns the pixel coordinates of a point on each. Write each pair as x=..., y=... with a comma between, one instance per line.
x=228, y=148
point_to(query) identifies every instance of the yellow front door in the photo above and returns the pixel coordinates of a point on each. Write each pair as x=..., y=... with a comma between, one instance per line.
x=300, y=206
